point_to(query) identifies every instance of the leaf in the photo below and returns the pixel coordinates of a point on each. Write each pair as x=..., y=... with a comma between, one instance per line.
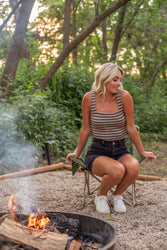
x=109, y=217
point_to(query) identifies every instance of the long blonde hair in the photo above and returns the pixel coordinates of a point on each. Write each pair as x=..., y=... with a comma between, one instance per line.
x=103, y=75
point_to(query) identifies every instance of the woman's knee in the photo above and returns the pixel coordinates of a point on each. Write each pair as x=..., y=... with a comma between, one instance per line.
x=118, y=172
x=133, y=168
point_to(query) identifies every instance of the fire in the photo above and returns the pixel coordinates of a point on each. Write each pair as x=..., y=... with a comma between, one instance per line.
x=12, y=206
x=38, y=222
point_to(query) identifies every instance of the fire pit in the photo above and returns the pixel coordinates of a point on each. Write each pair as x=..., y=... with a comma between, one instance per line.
x=80, y=227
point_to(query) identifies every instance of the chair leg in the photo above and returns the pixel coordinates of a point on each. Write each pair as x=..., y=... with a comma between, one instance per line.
x=87, y=187
x=133, y=194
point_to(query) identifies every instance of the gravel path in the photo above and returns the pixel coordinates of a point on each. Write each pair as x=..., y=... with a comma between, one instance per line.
x=143, y=227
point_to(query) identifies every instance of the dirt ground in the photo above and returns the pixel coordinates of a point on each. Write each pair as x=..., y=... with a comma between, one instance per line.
x=142, y=227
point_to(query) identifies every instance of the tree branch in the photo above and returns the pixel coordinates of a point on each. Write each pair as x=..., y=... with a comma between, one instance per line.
x=159, y=67
x=74, y=43
x=11, y=13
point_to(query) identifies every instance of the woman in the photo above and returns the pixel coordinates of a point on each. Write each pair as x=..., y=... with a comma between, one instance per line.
x=108, y=111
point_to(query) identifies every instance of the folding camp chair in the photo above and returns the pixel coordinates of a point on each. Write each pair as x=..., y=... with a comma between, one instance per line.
x=80, y=162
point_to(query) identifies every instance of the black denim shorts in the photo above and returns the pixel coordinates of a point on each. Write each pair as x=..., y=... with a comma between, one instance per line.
x=112, y=149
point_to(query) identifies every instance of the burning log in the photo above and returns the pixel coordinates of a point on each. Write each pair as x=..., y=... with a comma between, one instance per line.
x=32, y=171
x=14, y=231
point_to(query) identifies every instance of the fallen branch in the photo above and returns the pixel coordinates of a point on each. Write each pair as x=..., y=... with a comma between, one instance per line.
x=150, y=178
x=69, y=168
x=32, y=171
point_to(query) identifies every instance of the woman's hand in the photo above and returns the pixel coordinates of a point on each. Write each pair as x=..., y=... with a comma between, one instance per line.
x=71, y=155
x=149, y=155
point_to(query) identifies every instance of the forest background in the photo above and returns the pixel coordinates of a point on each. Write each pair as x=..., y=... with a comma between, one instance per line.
x=47, y=63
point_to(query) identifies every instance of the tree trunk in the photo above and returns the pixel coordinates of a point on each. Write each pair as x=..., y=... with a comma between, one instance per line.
x=74, y=32
x=104, y=35
x=104, y=38
x=155, y=75
x=14, y=9
x=73, y=44
x=17, y=48
x=66, y=26
x=118, y=32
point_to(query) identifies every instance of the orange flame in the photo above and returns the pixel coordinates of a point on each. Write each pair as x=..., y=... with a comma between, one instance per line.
x=35, y=220
x=12, y=206
x=38, y=222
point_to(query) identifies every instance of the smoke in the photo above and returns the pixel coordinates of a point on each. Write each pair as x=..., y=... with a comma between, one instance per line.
x=16, y=154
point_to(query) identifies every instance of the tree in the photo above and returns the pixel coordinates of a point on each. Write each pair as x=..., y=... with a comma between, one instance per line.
x=17, y=49
x=157, y=70
x=14, y=10
x=118, y=32
x=76, y=41
x=66, y=25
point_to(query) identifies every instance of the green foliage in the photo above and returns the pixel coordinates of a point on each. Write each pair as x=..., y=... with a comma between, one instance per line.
x=68, y=87
x=149, y=111
x=40, y=120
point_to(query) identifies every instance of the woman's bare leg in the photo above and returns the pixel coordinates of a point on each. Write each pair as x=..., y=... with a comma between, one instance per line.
x=111, y=171
x=132, y=168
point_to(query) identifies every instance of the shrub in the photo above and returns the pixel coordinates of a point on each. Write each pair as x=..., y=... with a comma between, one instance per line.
x=40, y=120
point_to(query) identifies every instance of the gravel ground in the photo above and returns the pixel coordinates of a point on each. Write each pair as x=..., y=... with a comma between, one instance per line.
x=142, y=227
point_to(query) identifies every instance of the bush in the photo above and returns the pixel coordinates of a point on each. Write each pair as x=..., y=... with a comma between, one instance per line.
x=149, y=111
x=68, y=87
x=40, y=120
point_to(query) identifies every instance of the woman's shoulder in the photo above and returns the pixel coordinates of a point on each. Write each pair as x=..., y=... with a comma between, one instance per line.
x=125, y=96
x=124, y=93
x=87, y=97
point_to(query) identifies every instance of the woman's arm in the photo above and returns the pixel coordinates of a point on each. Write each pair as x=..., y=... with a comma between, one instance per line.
x=128, y=106
x=86, y=127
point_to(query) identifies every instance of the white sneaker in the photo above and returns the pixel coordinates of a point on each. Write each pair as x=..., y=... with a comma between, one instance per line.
x=101, y=204
x=118, y=204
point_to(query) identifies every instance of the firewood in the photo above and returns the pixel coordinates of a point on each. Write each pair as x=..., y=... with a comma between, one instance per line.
x=32, y=171
x=150, y=178
x=76, y=245
x=39, y=239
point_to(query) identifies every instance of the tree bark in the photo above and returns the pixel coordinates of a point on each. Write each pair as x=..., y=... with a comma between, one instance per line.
x=118, y=32
x=74, y=32
x=73, y=44
x=104, y=35
x=66, y=25
x=17, y=48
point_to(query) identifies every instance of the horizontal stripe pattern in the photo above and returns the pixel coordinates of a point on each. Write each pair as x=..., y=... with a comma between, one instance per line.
x=108, y=126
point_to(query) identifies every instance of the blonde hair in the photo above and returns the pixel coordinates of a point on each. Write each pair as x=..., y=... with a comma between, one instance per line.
x=103, y=75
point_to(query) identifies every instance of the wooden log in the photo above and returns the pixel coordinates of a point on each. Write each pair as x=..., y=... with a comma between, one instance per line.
x=32, y=171
x=69, y=168
x=39, y=239
x=76, y=245
x=150, y=178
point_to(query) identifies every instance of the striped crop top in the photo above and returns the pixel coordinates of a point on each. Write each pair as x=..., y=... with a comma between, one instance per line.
x=108, y=126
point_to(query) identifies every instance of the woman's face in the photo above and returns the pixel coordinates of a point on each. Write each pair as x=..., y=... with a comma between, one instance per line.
x=115, y=83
